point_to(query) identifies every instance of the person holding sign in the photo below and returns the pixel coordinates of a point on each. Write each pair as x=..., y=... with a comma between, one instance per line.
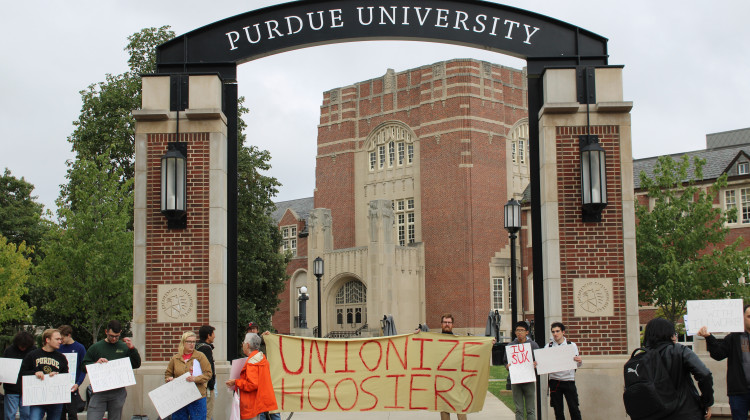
x=446, y=327
x=46, y=361
x=110, y=348
x=188, y=360
x=735, y=347
x=23, y=344
x=254, y=384
x=563, y=384
x=523, y=393
x=71, y=346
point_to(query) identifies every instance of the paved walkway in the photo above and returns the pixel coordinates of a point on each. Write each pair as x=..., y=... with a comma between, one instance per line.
x=494, y=409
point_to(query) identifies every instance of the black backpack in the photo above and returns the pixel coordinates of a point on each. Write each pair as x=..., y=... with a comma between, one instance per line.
x=650, y=392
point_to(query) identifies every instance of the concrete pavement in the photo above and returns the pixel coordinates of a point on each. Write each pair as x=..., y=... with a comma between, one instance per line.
x=493, y=409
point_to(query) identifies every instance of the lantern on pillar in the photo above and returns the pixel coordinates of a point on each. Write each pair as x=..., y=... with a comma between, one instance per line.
x=593, y=178
x=174, y=185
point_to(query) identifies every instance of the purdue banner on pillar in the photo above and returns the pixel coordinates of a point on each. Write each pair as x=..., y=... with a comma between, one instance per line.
x=425, y=371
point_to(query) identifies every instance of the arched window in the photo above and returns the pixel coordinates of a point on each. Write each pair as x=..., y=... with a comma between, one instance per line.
x=351, y=300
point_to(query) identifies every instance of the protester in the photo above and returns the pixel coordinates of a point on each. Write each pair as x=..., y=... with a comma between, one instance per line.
x=46, y=361
x=563, y=384
x=70, y=411
x=253, y=327
x=103, y=351
x=207, y=335
x=446, y=325
x=256, y=390
x=184, y=362
x=658, y=336
x=735, y=347
x=23, y=344
x=524, y=393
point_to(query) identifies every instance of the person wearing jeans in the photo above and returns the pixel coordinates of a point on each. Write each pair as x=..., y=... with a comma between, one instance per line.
x=23, y=343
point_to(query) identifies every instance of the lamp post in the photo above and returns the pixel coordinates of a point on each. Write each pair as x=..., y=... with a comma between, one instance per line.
x=513, y=225
x=318, y=272
x=174, y=185
x=303, y=307
x=593, y=178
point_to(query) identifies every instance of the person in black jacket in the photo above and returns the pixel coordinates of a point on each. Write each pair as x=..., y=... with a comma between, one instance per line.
x=681, y=362
x=23, y=343
x=207, y=335
x=46, y=361
x=735, y=347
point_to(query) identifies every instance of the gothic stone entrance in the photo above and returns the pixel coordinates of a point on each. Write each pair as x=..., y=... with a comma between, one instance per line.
x=193, y=99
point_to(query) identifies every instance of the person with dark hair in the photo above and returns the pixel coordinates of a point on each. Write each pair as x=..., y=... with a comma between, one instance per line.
x=23, y=344
x=207, y=335
x=446, y=327
x=563, y=384
x=681, y=362
x=735, y=347
x=46, y=361
x=71, y=346
x=110, y=348
x=524, y=393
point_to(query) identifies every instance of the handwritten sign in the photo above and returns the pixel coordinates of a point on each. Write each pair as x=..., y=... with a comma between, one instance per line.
x=424, y=371
x=51, y=390
x=110, y=375
x=174, y=395
x=9, y=369
x=719, y=315
x=72, y=365
x=555, y=359
x=521, y=363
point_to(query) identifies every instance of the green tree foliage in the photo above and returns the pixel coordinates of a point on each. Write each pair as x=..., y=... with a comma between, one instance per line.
x=261, y=267
x=20, y=216
x=105, y=125
x=14, y=275
x=87, y=272
x=680, y=241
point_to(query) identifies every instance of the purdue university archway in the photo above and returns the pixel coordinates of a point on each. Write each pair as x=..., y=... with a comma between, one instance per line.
x=185, y=277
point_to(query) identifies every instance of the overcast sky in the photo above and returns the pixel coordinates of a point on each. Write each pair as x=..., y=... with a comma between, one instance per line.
x=687, y=70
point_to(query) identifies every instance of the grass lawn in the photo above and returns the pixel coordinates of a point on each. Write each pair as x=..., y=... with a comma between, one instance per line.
x=497, y=387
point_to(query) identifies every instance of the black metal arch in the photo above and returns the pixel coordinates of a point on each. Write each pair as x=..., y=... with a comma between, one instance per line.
x=219, y=47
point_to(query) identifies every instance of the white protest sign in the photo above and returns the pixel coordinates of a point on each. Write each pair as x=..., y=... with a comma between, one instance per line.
x=197, y=368
x=72, y=365
x=110, y=375
x=174, y=395
x=555, y=359
x=9, y=369
x=237, y=365
x=51, y=390
x=719, y=315
x=521, y=363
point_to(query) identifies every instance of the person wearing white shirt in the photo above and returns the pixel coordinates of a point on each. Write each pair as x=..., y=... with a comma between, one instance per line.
x=563, y=384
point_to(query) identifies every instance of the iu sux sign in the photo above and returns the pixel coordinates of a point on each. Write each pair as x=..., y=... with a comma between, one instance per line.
x=425, y=371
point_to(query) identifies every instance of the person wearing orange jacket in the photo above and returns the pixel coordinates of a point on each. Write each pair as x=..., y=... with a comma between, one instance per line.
x=254, y=384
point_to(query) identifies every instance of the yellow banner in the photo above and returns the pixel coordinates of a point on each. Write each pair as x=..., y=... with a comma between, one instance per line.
x=424, y=371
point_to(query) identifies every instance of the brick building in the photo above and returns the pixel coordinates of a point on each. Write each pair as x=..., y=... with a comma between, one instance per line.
x=412, y=172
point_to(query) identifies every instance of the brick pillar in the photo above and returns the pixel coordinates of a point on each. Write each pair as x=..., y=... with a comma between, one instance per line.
x=589, y=268
x=180, y=275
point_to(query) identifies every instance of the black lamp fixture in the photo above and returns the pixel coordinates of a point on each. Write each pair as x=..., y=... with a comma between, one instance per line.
x=513, y=225
x=318, y=272
x=593, y=178
x=174, y=185
x=303, y=307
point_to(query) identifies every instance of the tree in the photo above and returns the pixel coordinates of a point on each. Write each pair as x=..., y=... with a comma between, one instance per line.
x=14, y=274
x=88, y=268
x=261, y=266
x=20, y=215
x=680, y=241
x=105, y=125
